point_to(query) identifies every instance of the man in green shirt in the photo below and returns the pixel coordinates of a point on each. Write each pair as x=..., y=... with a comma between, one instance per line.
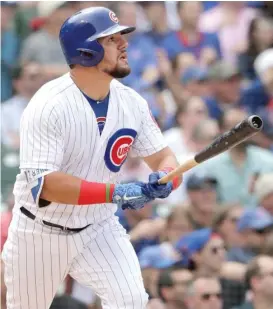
x=236, y=169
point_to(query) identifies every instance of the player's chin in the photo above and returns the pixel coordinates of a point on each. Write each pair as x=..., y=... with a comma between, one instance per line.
x=121, y=71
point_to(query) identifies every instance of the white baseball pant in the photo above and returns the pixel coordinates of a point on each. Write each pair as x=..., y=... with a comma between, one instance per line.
x=37, y=259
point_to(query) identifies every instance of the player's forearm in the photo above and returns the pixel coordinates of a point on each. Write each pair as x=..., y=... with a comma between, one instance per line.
x=67, y=189
x=160, y=160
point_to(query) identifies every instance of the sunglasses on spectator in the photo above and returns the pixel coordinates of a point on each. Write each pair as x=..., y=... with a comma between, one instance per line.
x=216, y=250
x=264, y=230
x=208, y=296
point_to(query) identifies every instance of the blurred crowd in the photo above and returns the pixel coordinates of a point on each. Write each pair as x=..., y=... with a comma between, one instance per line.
x=202, y=67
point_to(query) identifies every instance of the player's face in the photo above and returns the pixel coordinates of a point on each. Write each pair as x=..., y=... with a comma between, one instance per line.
x=115, y=62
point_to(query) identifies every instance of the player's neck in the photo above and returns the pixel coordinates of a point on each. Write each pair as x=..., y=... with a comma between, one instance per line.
x=93, y=83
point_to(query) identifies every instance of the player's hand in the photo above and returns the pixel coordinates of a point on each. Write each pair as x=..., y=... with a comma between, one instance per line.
x=131, y=195
x=155, y=190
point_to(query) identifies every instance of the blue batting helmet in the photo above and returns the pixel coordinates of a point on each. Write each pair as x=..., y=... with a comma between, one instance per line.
x=79, y=35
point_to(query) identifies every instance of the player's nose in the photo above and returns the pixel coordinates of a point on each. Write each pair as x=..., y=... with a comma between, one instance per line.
x=123, y=43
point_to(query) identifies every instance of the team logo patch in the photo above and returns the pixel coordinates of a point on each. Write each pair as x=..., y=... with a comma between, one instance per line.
x=113, y=17
x=118, y=147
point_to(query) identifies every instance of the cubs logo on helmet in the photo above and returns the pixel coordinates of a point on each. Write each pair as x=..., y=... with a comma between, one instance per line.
x=118, y=147
x=113, y=17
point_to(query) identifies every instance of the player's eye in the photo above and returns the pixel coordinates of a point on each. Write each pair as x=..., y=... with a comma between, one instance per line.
x=112, y=39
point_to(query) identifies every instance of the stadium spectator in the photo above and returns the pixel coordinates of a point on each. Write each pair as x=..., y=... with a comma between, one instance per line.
x=231, y=20
x=172, y=287
x=195, y=82
x=171, y=72
x=225, y=224
x=259, y=279
x=264, y=68
x=43, y=46
x=264, y=191
x=158, y=25
x=130, y=219
x=202, y=135
x=188, y=116
x=257, y=97
x=23, y=21
x=26, y=81
x=204, y=293
x=141, y=56
x=225, y=86
x=268, y=245
x=204, y=46
x=260, y=38
x=202, y=200
x=254, y=227
x=235, y=168
x=178, y=223
x=152, y=258
x=9, y=47
x=203, y=251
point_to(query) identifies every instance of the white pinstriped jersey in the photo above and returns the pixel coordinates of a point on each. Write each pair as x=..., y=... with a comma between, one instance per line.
x=59, y=132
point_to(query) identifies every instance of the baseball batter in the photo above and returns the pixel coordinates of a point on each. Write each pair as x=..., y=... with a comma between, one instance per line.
x=75, y=135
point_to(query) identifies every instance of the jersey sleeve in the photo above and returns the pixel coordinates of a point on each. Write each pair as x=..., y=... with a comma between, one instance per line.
x=41, y=138
x=149, y=139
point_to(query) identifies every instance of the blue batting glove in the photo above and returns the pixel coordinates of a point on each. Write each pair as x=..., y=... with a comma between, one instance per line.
x=131, y=195
x=155, y=190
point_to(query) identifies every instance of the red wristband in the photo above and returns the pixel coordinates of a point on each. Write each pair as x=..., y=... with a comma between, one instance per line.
x=176, y=181
x=95, y=193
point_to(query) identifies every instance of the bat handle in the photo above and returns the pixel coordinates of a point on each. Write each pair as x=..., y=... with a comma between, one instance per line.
x=189, y=164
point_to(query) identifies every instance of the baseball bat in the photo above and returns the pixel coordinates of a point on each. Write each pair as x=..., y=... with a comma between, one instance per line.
x=242, y=131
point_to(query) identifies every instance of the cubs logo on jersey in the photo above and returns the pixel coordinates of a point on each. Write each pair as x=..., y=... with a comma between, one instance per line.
x=118, y=147
x=101, y=122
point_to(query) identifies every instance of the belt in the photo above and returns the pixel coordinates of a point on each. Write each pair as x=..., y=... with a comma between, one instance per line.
x=63, y=228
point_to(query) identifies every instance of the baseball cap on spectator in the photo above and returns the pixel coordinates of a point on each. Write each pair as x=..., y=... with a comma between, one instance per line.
x=222, y=71
x=264, y=61
x=263, y=186
x=188, y=245
x=192, y=243
x=255, y=219
x=196, y=182
x=159, y=256
x=195, y=74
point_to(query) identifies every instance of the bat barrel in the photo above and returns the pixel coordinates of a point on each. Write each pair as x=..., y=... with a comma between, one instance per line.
x=242, y=131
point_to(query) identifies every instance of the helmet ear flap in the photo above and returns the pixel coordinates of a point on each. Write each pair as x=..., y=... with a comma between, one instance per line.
x=88, y=53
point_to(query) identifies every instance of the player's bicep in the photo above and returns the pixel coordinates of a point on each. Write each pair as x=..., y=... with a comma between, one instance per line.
x=150, y=139
x=41, y=140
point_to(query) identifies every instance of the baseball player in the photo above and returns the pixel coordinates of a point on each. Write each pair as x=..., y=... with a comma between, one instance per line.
x=75, y=135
